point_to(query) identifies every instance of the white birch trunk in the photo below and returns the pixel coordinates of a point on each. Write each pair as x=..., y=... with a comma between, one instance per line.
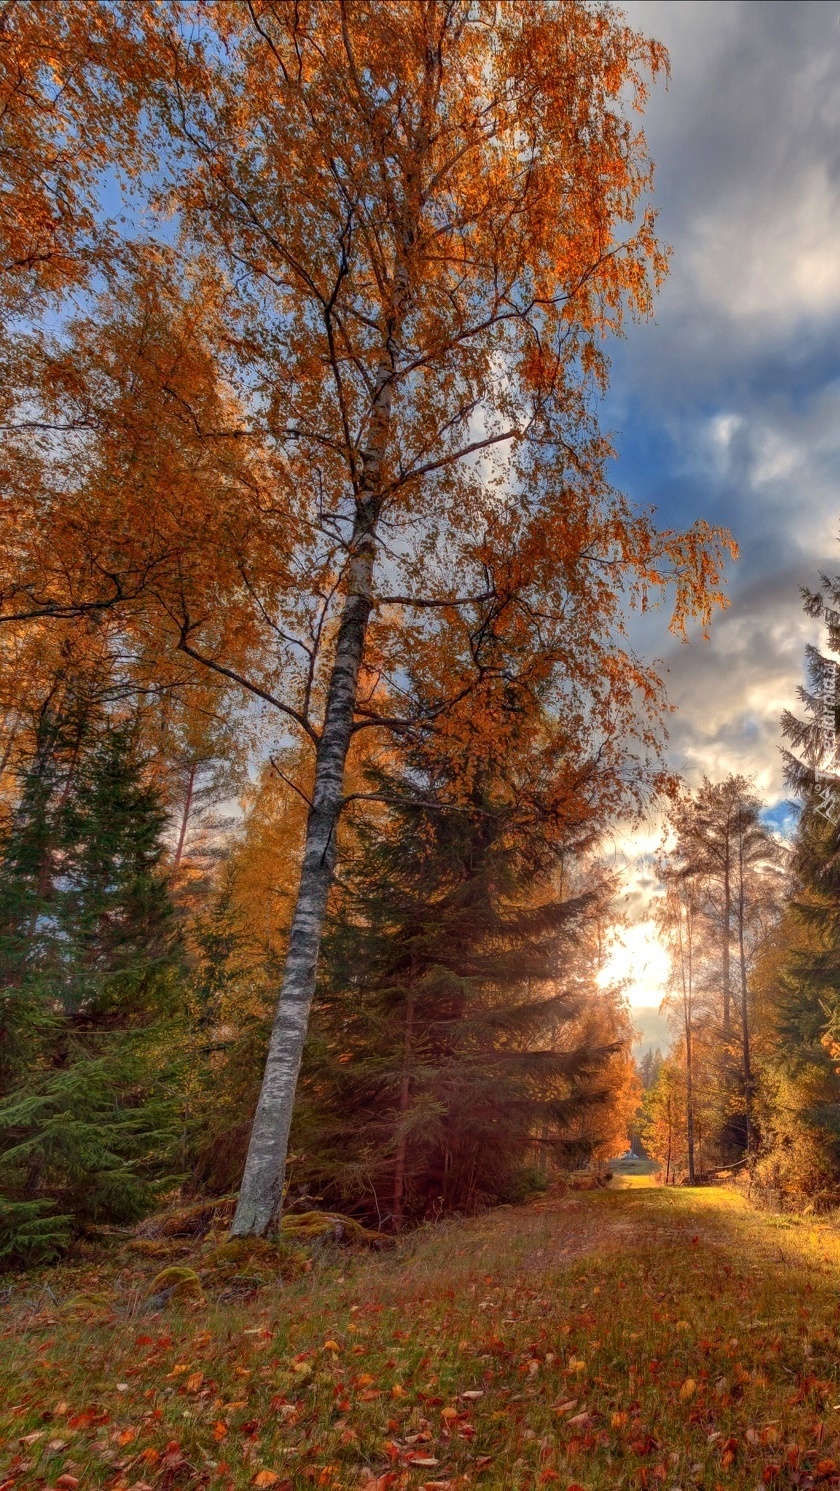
x=261, y=1192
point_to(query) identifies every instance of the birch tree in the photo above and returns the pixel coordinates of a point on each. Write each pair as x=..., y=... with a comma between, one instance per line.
x=357, y=400
x=429, y=219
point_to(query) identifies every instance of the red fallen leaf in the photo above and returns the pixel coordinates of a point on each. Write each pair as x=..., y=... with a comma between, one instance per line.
x=428, y=1460
x=482, y=1461
x=575, y=1486
x=770, y=1471
x=825, y=1467
x=144, y=1341
x=548, y=1475
x=252, y=1427
x=392, y=1451
x=69, y=1482
x=645, y=1445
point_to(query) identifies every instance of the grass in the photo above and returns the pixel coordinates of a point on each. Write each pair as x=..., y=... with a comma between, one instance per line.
x=639, y=1337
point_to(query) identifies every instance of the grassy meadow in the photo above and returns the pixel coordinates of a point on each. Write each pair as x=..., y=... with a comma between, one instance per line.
x=635, y=1337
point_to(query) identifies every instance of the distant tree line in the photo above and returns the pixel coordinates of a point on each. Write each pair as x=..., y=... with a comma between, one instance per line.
x=752, y=923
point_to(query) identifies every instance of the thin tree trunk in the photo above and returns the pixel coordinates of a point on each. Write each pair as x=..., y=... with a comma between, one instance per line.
x=745, y=1024
x=11, y=737
x=686, y=949
x=261, y=1192
x=405, y=1093
x=727, y=926
x=689, y=1100
x=185, y=818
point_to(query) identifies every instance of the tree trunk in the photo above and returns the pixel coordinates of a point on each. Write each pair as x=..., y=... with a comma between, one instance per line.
x=727, y=924
x=261, y=1192
x=405, y=1093
x=745, y=1027
x=185, y=818
x=689, y=1102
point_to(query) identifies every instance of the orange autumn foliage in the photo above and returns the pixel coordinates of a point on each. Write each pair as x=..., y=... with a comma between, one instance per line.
x=337, y=432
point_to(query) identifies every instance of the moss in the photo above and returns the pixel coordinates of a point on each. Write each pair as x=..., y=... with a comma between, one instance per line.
x=177, y=1282
x=324, y=1224
x=258, y=1257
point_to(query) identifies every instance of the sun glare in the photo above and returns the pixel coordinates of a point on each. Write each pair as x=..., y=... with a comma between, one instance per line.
x=637, y=960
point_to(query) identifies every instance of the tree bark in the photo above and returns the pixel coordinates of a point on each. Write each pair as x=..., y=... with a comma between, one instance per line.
x=727, y=927
x=689, y=1103
x=745, y=1023
x=185, y=818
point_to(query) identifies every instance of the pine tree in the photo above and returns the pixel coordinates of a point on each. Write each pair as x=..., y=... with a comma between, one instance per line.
x=459, y=1036
x=90, y=965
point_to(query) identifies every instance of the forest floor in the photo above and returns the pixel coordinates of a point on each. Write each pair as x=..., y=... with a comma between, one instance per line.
x=637, y=1337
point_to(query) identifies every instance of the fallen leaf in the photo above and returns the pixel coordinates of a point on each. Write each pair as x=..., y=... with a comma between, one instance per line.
x=265, y=1478
x=688, y=1388
x=194, y=1382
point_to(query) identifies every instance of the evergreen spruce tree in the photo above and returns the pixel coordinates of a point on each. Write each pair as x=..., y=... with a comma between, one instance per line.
x=804, y=1152
x=455, y=1041
x=90, y=960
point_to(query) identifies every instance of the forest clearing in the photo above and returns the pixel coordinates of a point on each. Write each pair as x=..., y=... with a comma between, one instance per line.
x=643, y=1336
x=419, y=662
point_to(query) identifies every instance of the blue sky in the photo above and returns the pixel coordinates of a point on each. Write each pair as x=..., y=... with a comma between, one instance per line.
x=727, y=405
